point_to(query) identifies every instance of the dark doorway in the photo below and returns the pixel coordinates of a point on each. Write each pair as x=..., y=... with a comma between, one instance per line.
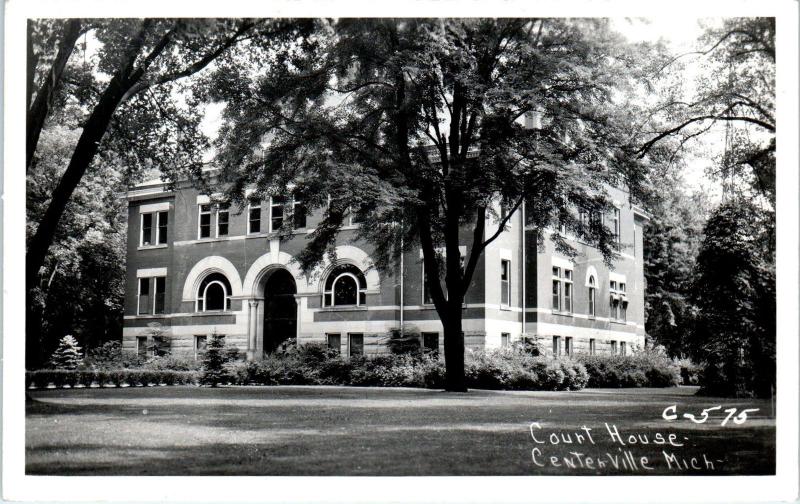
x=280, y=310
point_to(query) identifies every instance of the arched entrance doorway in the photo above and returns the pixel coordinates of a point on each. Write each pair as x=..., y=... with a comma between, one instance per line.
x=280, y=309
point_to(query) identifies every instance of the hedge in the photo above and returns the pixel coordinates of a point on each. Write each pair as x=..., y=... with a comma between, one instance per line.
x=643, y=369
x=59, y=378
x=313, y=364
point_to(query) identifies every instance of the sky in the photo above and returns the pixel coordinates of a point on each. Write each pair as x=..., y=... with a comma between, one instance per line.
x=681, y=33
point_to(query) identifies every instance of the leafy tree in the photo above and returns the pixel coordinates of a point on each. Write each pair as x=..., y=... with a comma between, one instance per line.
x=67, y=355
x=735, y=87
x=123, y=102
x=85, y=264
x=672, y=240
x=416, y=127
x=735, y=293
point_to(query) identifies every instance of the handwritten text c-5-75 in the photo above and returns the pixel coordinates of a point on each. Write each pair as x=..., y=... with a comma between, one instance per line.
x=670, y=414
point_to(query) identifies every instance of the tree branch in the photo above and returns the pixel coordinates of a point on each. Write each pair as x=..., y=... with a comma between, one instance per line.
x=44, y=96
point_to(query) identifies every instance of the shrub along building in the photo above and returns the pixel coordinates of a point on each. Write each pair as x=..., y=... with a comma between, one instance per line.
x=196, y=267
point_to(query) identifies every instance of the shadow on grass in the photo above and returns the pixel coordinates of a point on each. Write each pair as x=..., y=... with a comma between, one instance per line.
x=318, y=431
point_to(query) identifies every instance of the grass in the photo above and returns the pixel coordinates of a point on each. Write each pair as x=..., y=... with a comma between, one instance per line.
x=372, y=431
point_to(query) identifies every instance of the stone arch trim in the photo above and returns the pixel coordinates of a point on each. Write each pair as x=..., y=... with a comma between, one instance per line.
x=208, y=265
x=267, y=263
x=350, y=254
x=591, y=271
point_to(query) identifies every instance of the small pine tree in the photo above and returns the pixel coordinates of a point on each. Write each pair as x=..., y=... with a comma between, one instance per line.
x=214, y=361
x=67, y=355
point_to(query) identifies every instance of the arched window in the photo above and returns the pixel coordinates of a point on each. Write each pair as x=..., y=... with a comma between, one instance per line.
x=592, y=290
x=214, y=293
x=345, y=286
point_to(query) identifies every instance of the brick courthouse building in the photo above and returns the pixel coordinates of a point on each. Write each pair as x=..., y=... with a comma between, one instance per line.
x=196, y=267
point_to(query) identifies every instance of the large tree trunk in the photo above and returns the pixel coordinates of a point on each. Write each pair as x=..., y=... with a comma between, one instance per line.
x=455, y=379
x=37, y=112
x=87, y=146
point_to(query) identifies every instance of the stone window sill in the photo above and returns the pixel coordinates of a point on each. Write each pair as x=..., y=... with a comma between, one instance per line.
x=150, y=247
x=343, y=308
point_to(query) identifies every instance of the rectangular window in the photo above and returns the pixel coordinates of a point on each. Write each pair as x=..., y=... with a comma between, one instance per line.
x=141, y=346
x=298, y=215
x=505, y=284
x=430, y=343
x=352, y=217
x=596, y=219
x=147, y=229
x=614, y=347
x=591, y=346
x=154, y=229
x=583, y=218
x=568, y=345
x=615, y=225
x=254, y=217
x=205, y=221
x=144, y=296
x=505, y=339
x=557, y=289
x=162, y=227
x=335, y=342
x=356, y=346
x=276, y=213
x=591, y=301
x=223, y=215
x=618, y=302
x=623, y=347
x=427, y=298
x=161, y=290
x=562, y=290
x=199, y=345
x=556, y=346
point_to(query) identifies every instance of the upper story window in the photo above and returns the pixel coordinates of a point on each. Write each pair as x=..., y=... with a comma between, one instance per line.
x=298, y=214
x=352, y=216
x=615, y=225
x=345, y=286
x=154, y=228
x=618, y=301
x=592, y=296
x=223, y=218
x=214, y=293
x=254, y=217
x=213, y=218
x=505, y=282
x=276, y=213
x=562, y=289
x=279, y=213
x=204, y=221
x=427, y=297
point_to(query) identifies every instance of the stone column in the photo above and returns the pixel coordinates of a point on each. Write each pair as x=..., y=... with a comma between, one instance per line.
x=252, y=329
x=300, y=301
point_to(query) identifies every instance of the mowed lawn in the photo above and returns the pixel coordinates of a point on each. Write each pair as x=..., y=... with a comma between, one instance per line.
x=380, y=431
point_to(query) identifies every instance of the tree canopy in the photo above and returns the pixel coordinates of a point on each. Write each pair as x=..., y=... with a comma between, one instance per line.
x=418, y=127
x=735, y=88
